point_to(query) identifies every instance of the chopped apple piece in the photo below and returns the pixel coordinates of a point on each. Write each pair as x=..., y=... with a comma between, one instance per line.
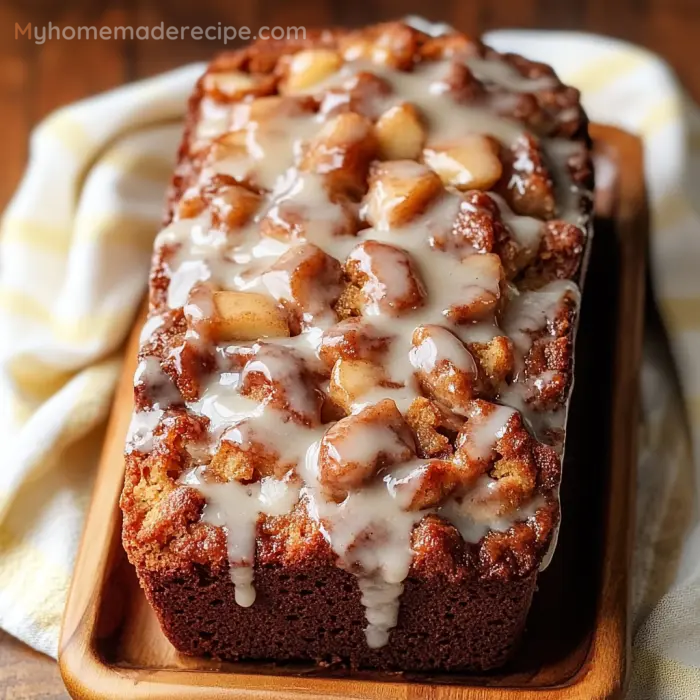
x=346, y=128
x=472, y=163
x=270, y=107
x=307, y=279
x=232, y=204
x=307, y=68
x=355, y=448
x=247, y=316
x=233, y=85
x=232, y=144
x=342, y=151
x=191, y=204
x=353, y=339
x=431, y=484
x=391, y=44
x=352, y=379
x=364, y=93
x=383, y=280
x=445, y=368
x=482, y=289
x=399, y=190
x=400, y=133
x=228, y=83
x=263, y=108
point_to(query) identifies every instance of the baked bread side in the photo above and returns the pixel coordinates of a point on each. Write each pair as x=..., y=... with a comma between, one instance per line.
x=350, y=403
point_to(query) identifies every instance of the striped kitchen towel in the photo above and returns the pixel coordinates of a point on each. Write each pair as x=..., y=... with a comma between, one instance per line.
x=74, y=255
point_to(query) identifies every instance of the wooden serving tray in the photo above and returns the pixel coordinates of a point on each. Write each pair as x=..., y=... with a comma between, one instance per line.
x=577, y=642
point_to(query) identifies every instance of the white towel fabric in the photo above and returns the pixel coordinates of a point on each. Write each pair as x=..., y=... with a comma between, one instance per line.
x=74, y=253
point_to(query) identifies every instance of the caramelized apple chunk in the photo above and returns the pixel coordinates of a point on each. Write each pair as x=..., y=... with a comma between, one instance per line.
x=460, y=83
x=471, y=163
x=400, y=133
x=305, y=69
x=200, y=312
x=450, y=46
x=445, y=368
x=526, y=183
x=247, y=316
x=399, y=191
x=364, y=93
x=353, y=379
x=353, y=339
x=341, y=152
x=383, y=279
x=307, y=281
x=392, y=44
x=355, y=448
x=279, y=378
x=273, y=108
x=483, y=288
x=231, y=145
x=231, y=203
x=230, y=86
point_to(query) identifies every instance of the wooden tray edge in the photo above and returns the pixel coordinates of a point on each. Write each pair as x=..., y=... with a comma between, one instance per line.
x=604, y=674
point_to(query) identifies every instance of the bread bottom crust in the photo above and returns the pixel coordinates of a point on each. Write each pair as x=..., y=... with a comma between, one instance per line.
x=316, y=614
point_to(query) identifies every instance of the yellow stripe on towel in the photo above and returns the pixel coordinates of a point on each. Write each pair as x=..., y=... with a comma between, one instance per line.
x=106, y=327
x=37, y=234
x=110, y=229
x=670, y=210
x=33, y=584
x=660, y=115
x=653, y=672
x=603, y=71
x=140, y=165
x=681, y=314
x=70, y=132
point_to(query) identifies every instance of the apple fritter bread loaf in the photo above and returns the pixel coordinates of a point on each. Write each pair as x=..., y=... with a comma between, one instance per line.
x=352, y=388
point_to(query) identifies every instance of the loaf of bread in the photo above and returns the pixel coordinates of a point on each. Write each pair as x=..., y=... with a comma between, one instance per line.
x=352, y=387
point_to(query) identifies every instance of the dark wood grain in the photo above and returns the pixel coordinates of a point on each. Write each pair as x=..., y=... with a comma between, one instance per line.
x=36, y=79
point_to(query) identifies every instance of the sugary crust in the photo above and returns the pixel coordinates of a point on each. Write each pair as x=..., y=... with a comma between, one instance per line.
x=176, y=553
x=163, y=530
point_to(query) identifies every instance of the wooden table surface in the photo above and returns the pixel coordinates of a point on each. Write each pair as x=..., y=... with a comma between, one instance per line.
x=36, y=78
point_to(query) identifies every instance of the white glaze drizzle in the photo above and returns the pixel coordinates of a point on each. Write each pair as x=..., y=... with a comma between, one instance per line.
x=502, y=74
x=237, y=507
